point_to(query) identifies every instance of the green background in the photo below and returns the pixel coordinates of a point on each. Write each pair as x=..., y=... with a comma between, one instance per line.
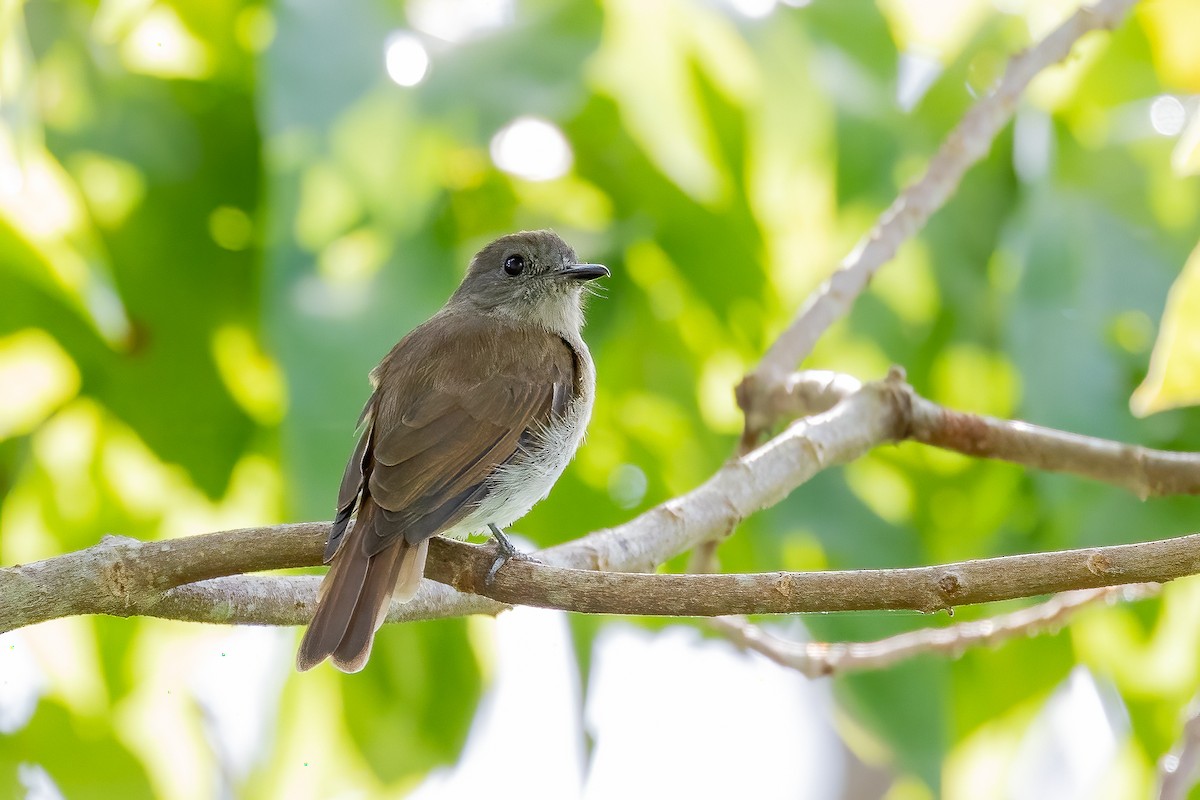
x=216, y=217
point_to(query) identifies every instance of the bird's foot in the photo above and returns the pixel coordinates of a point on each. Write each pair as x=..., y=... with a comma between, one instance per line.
x=505, y=552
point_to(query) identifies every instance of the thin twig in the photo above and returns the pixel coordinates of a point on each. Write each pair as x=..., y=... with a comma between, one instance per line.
x=1180, y=771
x=969, y=142
x=1144, y=471
x=818, y=659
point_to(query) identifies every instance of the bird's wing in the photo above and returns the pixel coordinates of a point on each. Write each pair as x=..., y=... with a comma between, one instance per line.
x=352, y=483
x=449, y=409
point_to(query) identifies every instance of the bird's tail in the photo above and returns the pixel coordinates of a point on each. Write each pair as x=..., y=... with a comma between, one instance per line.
x=354, y=597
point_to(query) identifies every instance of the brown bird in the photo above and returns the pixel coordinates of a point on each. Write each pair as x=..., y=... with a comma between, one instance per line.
x=474, y=416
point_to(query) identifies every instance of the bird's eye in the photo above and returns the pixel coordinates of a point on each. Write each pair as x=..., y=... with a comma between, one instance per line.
x=513, y=265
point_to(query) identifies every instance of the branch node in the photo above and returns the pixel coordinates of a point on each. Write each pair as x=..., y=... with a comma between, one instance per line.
x=1100, y=565
x=950, y=586
x=899, y=397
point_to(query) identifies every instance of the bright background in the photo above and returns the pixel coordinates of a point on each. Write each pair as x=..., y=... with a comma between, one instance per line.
x=216, y=216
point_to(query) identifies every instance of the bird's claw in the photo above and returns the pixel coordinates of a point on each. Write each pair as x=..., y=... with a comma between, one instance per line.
x=505, y=552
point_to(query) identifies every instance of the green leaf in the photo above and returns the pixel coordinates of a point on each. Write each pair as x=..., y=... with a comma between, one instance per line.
x=1174, y=377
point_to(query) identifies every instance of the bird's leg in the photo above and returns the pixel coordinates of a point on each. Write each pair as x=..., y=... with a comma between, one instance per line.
x=505, y=550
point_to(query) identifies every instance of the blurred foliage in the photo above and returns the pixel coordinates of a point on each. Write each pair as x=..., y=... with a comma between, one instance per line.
x=216, y=217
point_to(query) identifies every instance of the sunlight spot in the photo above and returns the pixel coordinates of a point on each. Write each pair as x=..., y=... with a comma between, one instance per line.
x=648, y=61
x=801, y=551
x=1167, y=115
x=459, y=20
x=1133, y=331
x=37, y=783
x=915, y=74
x=63, y=88
x=230, y=227
x=533, y=149
x=406, y=60
x=135, y=475
x=65, y=446
x=984, y=71
x=571, y=201
x=113, y=188
x=11, y=179
x=651, y=269
x=1033, y=143
x=254, y=28
x=36, y=377
x=24, y=533
x=971, y=378
x=881, y=487
x=104, y=304
x=114, y=18
x=354, y=258
x=329, y=205
x=160, y=45
x=251, y=376
x=939, y=28
x=1185, y=158
x=23, y=682
x=718, y=406
x=627, y=485
x=909, y=286
x=753, y=9
x=36, y=194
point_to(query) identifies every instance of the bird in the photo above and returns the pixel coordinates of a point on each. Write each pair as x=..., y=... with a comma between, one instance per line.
x=472, y=418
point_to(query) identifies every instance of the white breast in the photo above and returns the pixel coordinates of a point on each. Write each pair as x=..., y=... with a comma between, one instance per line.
x=532, y=472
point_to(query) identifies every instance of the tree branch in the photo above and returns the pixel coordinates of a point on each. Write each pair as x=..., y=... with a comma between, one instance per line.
x=963, y=147
x=819, y=659
x=289, y=600
x=123, y=576
x=1144, y=471
x=926, y=589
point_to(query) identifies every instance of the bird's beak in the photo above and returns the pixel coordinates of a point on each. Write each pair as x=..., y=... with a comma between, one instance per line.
x=584, y=272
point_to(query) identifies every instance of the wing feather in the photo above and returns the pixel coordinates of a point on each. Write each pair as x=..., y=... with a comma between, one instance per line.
x=454, y=400
x=438, y=442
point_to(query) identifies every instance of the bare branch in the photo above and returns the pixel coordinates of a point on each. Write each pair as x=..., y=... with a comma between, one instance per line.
x=927, y=589
x=274, y=600
x=1180, y=771
x=1141, y=470
x=284, y=600
x=124, y=577
x=969, y=142
x=818, y=659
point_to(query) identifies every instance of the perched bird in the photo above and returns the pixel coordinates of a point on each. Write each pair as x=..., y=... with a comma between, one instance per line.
x=474, y=416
